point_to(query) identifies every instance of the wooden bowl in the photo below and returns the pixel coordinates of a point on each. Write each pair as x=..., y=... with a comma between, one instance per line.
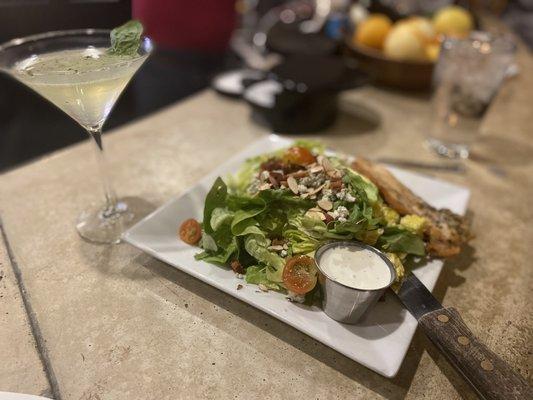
x=407, y=75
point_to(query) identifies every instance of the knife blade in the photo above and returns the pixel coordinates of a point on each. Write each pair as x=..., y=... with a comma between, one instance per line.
x=416, y=297
x=490, y=376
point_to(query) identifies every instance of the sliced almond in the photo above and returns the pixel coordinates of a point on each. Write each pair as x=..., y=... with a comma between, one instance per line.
x=325, y=204
x=316, y=190
x=299, y=174
x=334, y=173
x=275, y=247
x=316, y=169
x=315, y=215
x=265, y=186
x=293, y=185
x=327, y=165
x=263, y=287
x=315, y=209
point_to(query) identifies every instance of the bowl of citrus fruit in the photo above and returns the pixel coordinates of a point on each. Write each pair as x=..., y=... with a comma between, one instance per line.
x=402, y=53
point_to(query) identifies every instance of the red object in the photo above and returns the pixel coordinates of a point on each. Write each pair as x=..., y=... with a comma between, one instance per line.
x=187, y=24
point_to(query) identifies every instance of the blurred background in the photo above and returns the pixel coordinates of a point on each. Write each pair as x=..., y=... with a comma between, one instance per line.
x=198, y=39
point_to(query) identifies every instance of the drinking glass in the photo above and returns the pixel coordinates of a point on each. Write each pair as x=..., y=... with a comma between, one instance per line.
x=86, y=88
x=467, y=76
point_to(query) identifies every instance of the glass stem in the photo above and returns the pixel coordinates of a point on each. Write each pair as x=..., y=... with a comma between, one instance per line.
x=110, y=196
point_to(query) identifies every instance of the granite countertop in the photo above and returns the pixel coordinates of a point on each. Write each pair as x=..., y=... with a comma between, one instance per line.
x=82, y=321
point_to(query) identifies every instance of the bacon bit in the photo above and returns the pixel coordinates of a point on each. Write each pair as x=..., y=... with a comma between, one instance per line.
x=273, y=181
x=237, y=267
x=278, y=242
x=239, y=286
x=328, y=219
x=335, y=184
x=277, y=175
x=271, y=165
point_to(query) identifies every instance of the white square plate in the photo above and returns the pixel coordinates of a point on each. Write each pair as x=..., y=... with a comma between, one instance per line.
x=379, y=341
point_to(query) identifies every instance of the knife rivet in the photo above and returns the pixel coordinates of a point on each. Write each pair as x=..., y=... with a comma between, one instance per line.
x=443, y=318
x=463, y=340
x=487, y=365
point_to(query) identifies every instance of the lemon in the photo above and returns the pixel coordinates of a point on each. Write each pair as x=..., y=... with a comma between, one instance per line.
x=373, y=31
x=405, y=44
x=453, y=21
x=433, y=51
x=422, y=27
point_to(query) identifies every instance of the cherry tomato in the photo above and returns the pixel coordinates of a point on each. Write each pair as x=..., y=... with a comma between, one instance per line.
x=190, y=231
x=300, y=274
x=298, y=155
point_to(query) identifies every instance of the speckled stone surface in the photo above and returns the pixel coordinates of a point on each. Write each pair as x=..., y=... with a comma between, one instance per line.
x=118, y=324
x=21, y=369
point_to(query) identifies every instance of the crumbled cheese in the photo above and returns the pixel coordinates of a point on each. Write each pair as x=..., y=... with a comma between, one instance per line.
x=326, y=193
x=303, y=188
x=264, y=175
x=307, y=181
x=349, y=198
x=312, y=181
x=297, y=298
x=342, y=211
x=341, y=219
x=341, y=194
x=283, y=253
x=239, y=276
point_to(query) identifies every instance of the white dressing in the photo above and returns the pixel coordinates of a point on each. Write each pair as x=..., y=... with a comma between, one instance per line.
x=356, y=268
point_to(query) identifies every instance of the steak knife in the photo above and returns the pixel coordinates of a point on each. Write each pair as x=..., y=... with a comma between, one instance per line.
x=490, y=376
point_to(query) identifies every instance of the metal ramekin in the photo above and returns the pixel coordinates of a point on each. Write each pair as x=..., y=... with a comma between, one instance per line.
x=344, y=303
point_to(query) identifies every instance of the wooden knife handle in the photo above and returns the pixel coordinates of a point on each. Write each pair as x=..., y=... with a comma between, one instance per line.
x=488, y=374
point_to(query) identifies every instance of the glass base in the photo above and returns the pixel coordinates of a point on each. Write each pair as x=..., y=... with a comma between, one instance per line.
x=103, y=226
x=448, y=150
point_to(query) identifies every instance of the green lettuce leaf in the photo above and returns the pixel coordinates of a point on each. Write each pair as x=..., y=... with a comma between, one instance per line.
x=256, y=274
x=257, y=246
x=216, y=198
x=361, y=185
x=220, y=216
x=222, y=256
x=397, y=240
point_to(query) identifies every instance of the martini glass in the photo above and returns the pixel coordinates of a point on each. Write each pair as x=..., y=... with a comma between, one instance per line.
x=73, y=71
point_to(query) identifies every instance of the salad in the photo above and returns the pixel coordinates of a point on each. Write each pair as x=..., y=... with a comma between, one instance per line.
x=266, y=221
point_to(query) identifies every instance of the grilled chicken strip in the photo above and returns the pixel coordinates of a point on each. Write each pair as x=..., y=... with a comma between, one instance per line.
x=446, y=231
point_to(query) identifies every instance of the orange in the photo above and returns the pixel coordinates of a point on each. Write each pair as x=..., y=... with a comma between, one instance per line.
x=373, y=31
